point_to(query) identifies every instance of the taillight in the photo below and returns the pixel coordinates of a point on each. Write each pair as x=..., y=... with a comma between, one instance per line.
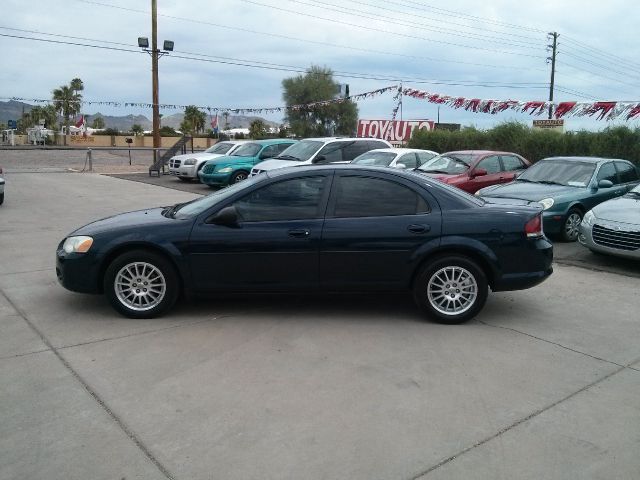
x=533, y=228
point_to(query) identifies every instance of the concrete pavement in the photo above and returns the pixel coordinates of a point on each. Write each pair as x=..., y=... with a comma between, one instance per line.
x=543, y=384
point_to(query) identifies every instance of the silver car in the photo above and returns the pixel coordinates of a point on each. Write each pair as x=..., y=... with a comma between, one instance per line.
x=613, y=227
x=187, y=166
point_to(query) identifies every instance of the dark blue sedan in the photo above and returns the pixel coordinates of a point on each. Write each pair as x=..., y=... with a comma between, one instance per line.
x=320, y=228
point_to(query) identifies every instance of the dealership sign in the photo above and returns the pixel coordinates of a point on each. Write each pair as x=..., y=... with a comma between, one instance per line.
x=392, y=130
x=553, y=124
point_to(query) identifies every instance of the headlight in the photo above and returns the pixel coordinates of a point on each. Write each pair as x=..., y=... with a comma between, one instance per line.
x=80, y=244
x=546, y=203
x=589, y=218
x=190, y=161
x=226, y=170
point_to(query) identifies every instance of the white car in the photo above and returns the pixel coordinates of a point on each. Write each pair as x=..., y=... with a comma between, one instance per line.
x=186, y=166
x=322, y=151
x=395, y=157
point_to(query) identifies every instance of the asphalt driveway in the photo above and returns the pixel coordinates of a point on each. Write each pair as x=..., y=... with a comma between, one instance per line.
x=543, y=384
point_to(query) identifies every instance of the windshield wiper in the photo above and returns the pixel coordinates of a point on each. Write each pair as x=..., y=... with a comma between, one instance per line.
x=288, y=157
x=550, y=182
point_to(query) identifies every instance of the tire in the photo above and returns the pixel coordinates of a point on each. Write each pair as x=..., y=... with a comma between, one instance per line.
x=1, y=198
x=151, y=268
x=442, y=273
x=238, y=176
x=570, y=226
x=185, y=179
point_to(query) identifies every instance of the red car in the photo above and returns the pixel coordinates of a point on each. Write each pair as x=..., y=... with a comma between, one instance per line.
x=471, y=170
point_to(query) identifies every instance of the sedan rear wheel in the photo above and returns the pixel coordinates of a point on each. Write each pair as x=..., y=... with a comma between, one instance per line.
x=451, y=289
x=571, y=227
x=141, y=284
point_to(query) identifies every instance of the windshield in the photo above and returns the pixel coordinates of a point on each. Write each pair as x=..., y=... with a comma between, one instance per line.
x=301, y=151
x=196, y=207
x=562, y=172
x=450, y=163
x=247, y=150
x=220, y=148
x=379, y=159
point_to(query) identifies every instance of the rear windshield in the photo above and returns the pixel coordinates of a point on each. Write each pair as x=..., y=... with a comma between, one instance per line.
x=220, y=148
x=379, y=159
x=449, y=163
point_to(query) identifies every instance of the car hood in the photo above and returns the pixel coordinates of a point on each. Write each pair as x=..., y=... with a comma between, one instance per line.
x=197, y=156
x=623, y=210
x=131, y=220
x=528, y=191
x=275, y=163
x=230, y=159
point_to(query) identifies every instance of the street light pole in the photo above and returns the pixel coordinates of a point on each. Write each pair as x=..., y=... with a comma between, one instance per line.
x=154, y=72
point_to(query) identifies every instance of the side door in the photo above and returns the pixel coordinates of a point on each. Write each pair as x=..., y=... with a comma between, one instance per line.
x=491, y=165
x=375, y=225
x=275, y=244
x=628, y=175
x=512, y=166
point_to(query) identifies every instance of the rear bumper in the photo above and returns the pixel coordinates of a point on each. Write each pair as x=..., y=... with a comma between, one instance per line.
x=539, y=262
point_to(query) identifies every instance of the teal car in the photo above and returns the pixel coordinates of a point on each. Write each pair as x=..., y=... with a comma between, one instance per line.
x=566, y=188
x=234, y=168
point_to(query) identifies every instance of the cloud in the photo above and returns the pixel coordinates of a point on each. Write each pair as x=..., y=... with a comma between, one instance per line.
x=33, y=69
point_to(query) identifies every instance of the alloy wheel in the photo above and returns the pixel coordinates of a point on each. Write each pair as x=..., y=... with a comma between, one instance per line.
x=571, y=226
x=140, y=286
x=452, y=290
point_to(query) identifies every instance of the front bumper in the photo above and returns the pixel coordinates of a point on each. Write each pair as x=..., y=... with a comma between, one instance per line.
x=215, y=179
x=78, y=272
x=585, y=237
x=185, y=171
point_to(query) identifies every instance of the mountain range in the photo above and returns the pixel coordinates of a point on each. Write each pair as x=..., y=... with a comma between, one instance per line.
x=12, y=110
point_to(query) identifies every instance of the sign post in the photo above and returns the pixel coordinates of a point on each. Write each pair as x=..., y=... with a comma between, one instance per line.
x=129, y=142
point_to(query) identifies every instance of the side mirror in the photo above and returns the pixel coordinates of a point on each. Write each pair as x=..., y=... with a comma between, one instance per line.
x=605, y=184
x=478, y=172
x=401, y=165
x=227, y=217
x=319, y=159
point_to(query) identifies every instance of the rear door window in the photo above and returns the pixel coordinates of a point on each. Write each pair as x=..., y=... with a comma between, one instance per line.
x=511, y=163
x=357, y=196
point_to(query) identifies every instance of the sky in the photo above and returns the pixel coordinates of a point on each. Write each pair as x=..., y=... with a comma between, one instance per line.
x=496, y=49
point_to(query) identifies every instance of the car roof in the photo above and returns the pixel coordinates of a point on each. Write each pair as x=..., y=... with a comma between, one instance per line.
x=346, y=166
x=482, y=152
x=271, y=141
x=587, y=159
x=399, y=150
x=331, y=139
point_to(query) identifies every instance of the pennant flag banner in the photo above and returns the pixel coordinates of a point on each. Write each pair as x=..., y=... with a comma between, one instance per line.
x=599, y=110
x=165, y=106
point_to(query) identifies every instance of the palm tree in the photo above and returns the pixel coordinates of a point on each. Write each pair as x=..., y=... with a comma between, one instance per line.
x=67, y=103
x=76, y=85
x=195, y=118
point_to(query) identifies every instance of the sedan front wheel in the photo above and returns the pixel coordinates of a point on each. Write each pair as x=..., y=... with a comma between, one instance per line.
x=571, y=227
x=141, y=284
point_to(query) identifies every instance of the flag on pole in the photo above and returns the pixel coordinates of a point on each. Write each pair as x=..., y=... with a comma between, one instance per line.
x=214, y=123
x=80, y=122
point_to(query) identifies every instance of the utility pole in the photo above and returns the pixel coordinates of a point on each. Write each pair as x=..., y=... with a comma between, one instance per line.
x=154, y=72
x=552, y=59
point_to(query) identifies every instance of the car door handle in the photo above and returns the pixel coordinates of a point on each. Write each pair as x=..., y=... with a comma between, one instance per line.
x=418, y=228
x=299, y=233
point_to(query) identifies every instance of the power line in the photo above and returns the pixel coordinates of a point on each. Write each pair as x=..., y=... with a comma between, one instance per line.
x=600, y=52
x=576, y=93
x=582, y=69
x=455, y=14
x=389, y=2
x=599, y=65
x=313, y=42
x=294, y=69
x=388, y=32
x=407, y=23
